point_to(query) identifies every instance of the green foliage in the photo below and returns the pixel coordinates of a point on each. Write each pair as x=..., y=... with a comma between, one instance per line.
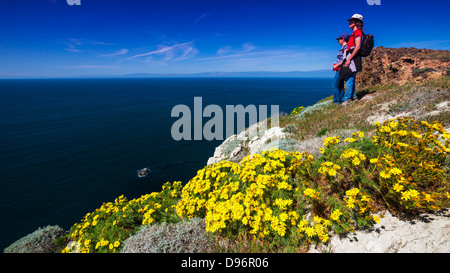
x=230, y=146
x=290, y=128
x=322, y=131
x=422, y=71
x=443, y=82
x=287, y=144
x=105, y=229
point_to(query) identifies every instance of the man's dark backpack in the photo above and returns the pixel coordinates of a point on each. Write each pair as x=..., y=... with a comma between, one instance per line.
x=367, y=45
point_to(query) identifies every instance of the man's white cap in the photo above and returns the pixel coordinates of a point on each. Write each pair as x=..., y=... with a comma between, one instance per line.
x=356, y=16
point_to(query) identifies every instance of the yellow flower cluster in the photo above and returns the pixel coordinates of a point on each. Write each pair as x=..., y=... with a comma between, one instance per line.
x=248, y=196
x=327, y=142
x=354, y=156
x=104, y=229
x=297, y=110
x=265, y=194
x=329, y=168
x=358, y=201
x=335, y=215
x=311, y=193
x=301, y=163
x=355, y=137
x=211, y=181
x=411, y=194
x=413, y=162
x=318, y=229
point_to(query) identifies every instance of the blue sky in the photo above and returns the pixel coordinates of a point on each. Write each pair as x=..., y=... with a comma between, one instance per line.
x=49, y=38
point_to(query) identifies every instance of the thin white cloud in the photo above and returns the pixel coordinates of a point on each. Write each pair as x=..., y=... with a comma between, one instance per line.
x=175, y=52
x=116, y=53
x=254, y=54
x=72, y=45
x=247, y=47
x=88, y=66
x=224, y=50
x=201, y=17
x=252, y=58
x=100, y=43
x=75, y=41
x=73, y=49
x=93, y=66
x=227, y=50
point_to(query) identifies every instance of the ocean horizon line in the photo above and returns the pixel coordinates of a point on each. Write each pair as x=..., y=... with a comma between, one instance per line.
x=217, y=74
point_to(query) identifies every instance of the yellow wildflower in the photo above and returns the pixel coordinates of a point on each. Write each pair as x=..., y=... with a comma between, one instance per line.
x=332, y=172
x=335, y=214
x=310, y=231
x=350, y=202
x=356, y=161
x=428, y=198
x=374, y=160
x=352, y=192
x=310, y=192
x=385, y=175
x=376, y=219
x=413, y=193
x=87, y=243
x=395, y=171
x=398, y=187
x=366, y=198
x=331, y=140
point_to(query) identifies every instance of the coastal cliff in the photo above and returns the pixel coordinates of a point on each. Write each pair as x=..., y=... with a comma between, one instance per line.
x=398, y=66
x=318, y=190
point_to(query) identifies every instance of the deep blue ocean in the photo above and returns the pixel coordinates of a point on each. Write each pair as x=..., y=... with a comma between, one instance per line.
x=68, y=145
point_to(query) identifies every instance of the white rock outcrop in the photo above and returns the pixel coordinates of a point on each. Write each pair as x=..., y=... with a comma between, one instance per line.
x=251, y=141
x=429, y=233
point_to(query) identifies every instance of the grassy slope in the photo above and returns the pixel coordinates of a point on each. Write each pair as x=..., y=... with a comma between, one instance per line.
x=415, y=99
